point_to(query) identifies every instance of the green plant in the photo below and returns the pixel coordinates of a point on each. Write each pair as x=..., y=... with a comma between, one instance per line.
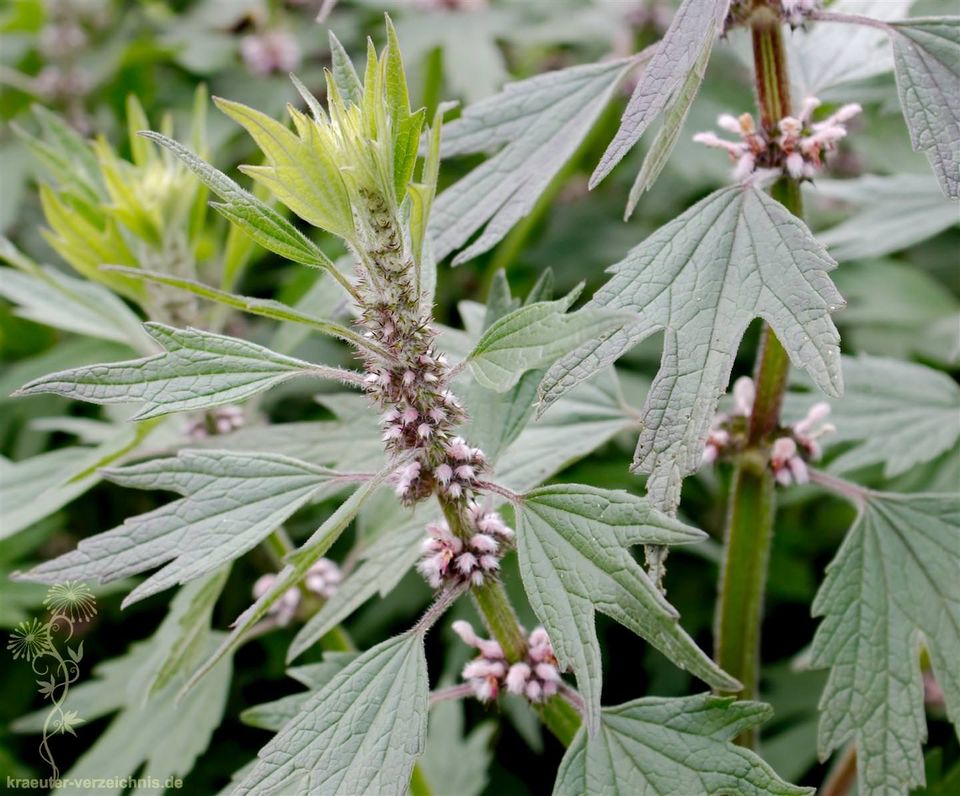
x=450, y=450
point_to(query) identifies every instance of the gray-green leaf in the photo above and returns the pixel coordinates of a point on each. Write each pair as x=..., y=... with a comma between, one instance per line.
x=361, y=733
x=198, y=370
x=660, y=746
x=297, y=564
x=893, y=581
x=541, y=121
x=926, y=59
x=573, y=545
x=892, y=213
x=231, y=502
x=900, y=414
x=534, y=336
x=684, y=49
x=260, y=221
x=702, y=278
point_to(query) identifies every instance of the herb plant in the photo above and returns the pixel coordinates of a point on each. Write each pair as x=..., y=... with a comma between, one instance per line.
x=443, y=448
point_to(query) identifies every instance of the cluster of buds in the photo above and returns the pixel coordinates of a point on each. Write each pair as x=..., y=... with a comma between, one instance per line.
x=536, y=677
x=322, y=579
x=269, y=52
x=214, y=422
x=796, y=148
x=791, y=450
x=448, y=558
x=726, y=426
x=789, y=454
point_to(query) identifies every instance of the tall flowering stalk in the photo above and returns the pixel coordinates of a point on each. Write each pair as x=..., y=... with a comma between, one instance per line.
x=349, y=168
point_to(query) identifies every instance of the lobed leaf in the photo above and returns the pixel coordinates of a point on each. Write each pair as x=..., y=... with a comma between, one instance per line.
x=682, y=52
x=540, y=122
x=302, y=173
x=361, y=733
x=660, y=746
x=534, y=336
x=674, y=116
x=702, y=278
x=574, y=560
x=892, y=586
x=231, y=502
x=198, y=370
x=926, y=60
x=297, y=564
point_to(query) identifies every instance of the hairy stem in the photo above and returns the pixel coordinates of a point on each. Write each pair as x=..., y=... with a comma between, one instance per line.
x=744, y=574
x=493, y=604
x=751, y=504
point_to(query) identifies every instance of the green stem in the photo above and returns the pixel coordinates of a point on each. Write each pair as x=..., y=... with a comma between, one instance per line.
x=749, y=533
x=493, y=603
x=751, y=505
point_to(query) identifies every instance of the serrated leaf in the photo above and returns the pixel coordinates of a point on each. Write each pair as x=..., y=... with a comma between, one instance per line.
x=892, y=213
x=301, y=173
x=674, y=115
x=362, y=732
x=257, y=219
x=534, y=336
x=687, y=42
x=41, y=485
x=231, y=502
x=266, y=308
x=540, y=122
x=893, y=579
x=49, y=296
x=198, y=370
x=926, y=60
x=900, y=414
x=382, y=565
x=273, y=715
x=660, y=746
x=702, y=278
x=297, y=564
x=186, y=630
x=586, y=418
x=573, y=545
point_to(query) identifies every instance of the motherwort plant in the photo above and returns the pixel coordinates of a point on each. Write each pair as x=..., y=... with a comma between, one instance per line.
x=438, y=408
